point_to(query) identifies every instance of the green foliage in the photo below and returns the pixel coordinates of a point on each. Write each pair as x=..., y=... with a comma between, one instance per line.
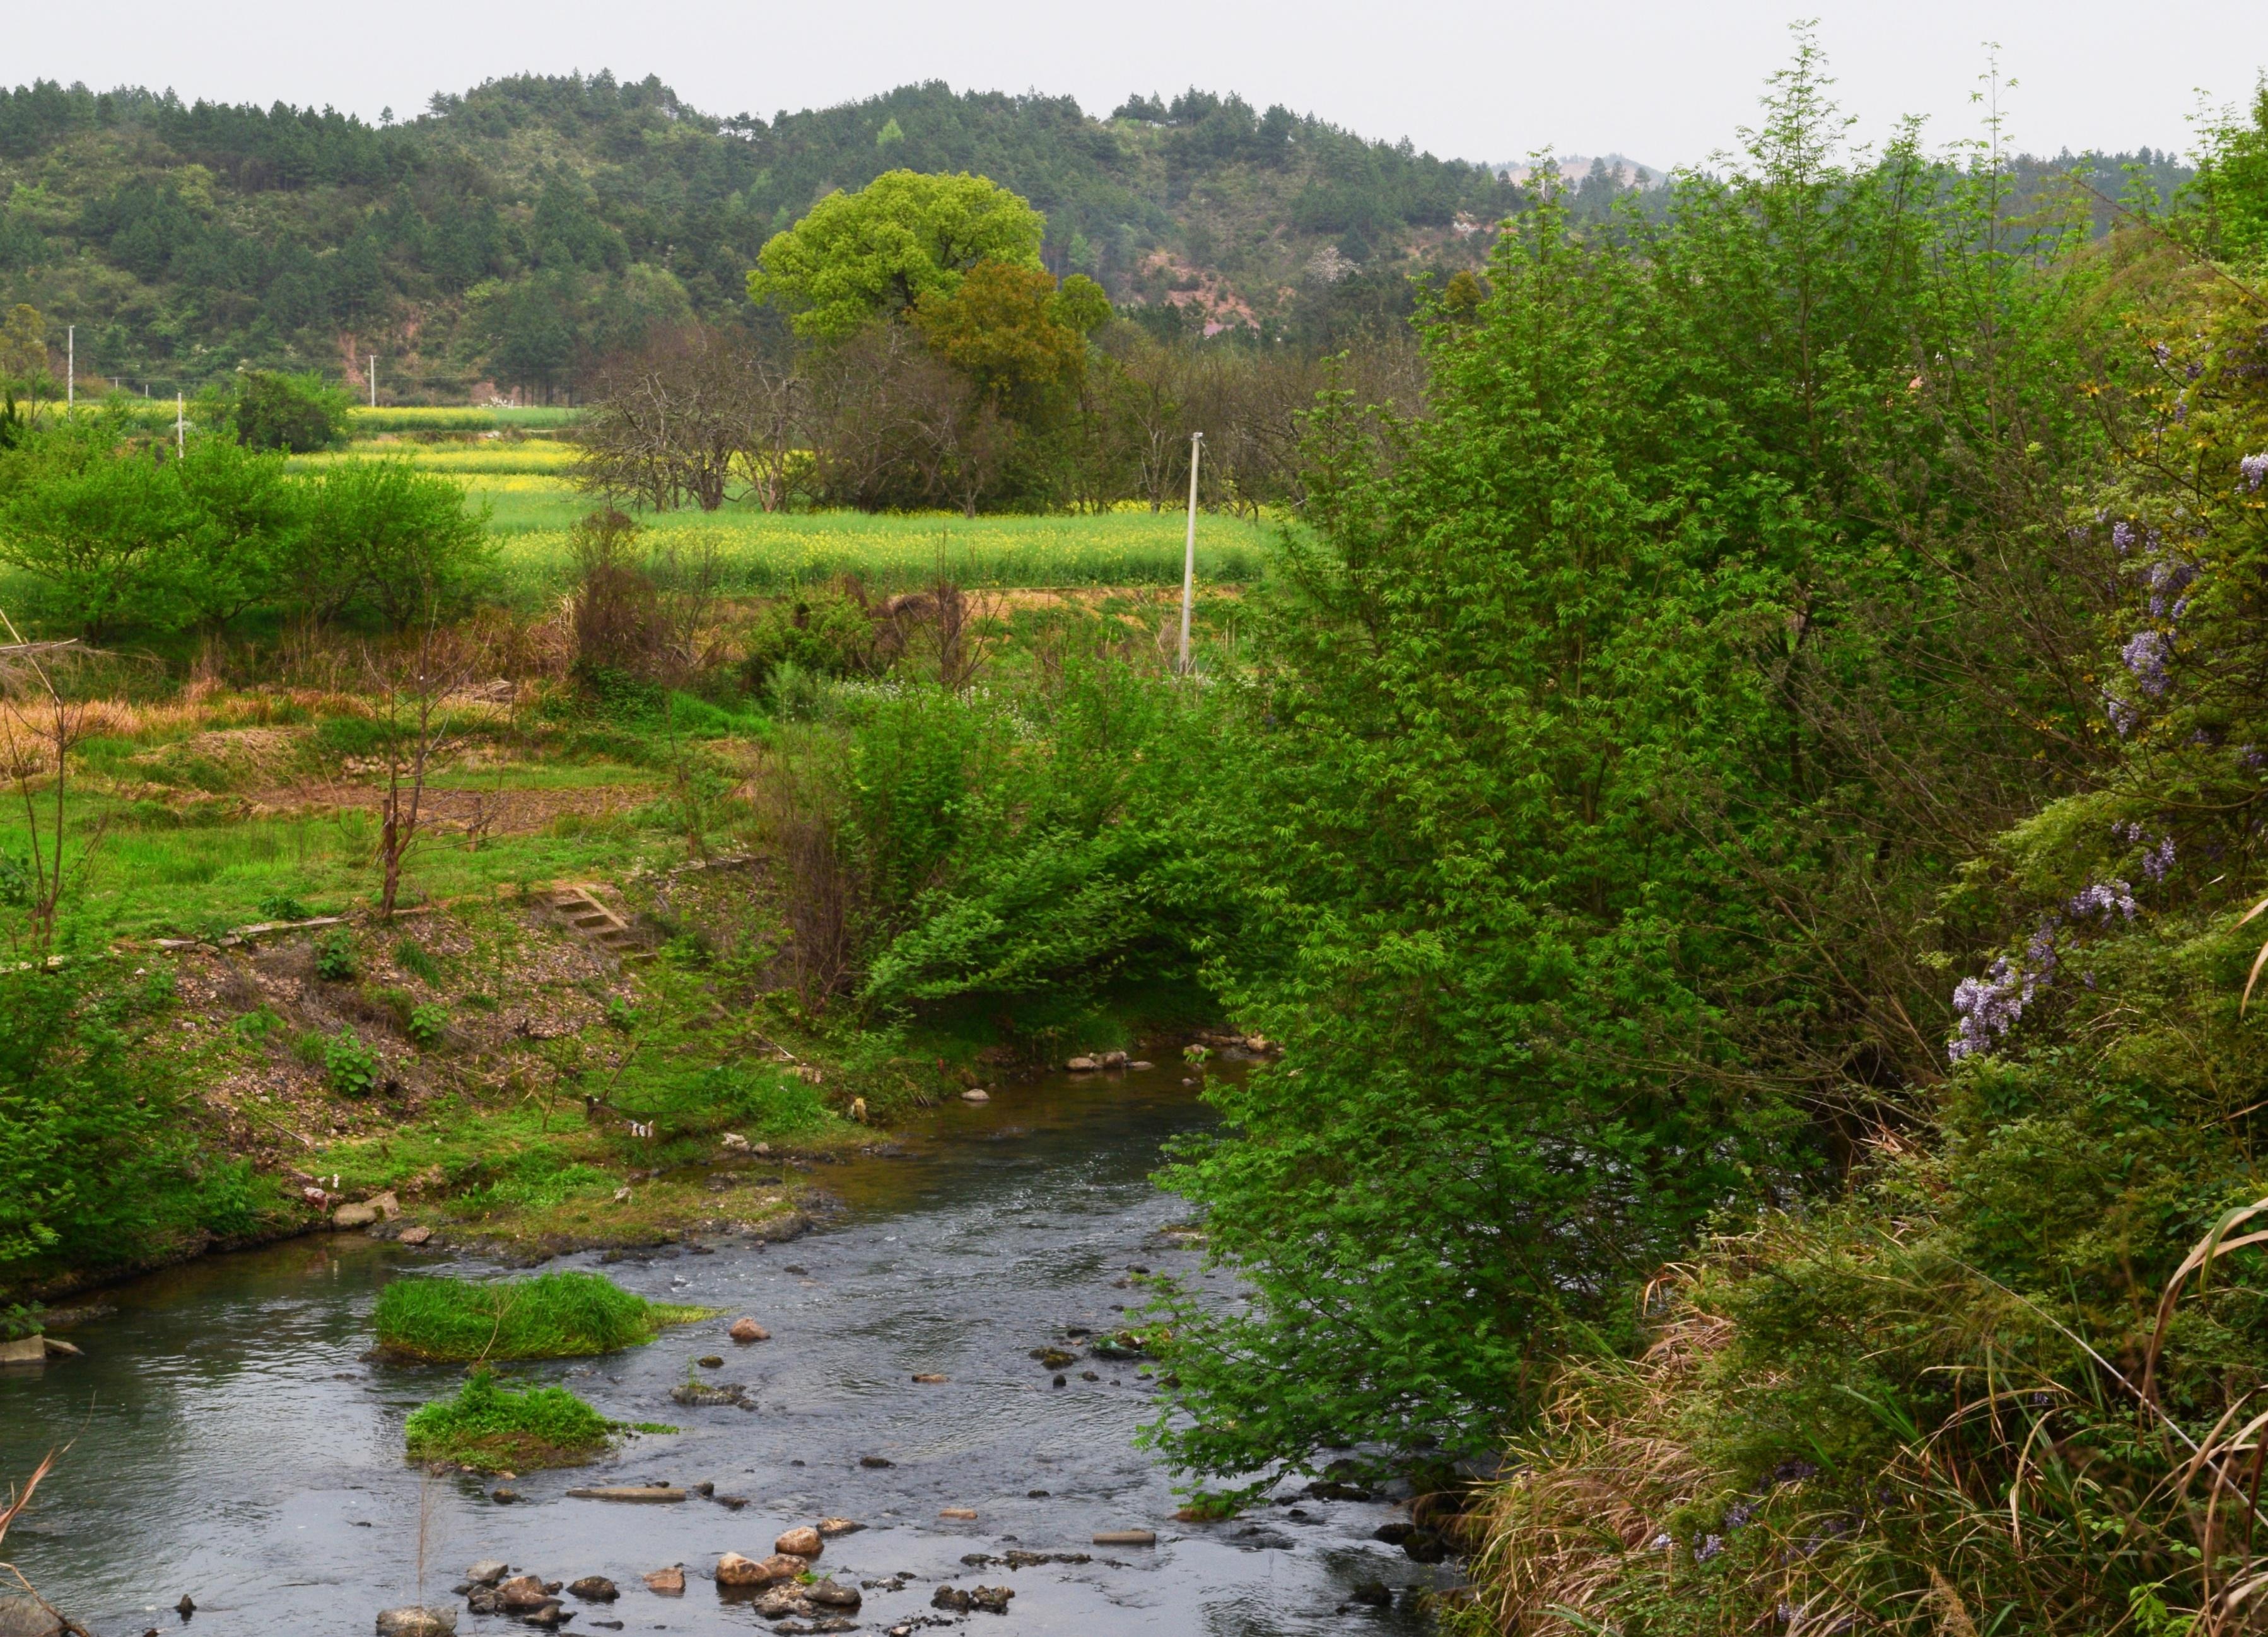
x=388, y=541
x=283, y=906
x=297, y=414
x=1577, y=870
x=336, y=957
x=565, y=1315
x=494, y=1428
x=428, y=1025
x=96, y=1168
x=416, y=959
x=876, y=252
x=353, y=1068
x=1016, y=847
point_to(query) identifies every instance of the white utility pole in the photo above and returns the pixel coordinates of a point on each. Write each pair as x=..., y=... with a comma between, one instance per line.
x=70, y=366
x=1190, y=551
x=373, y=380
x=181, y=427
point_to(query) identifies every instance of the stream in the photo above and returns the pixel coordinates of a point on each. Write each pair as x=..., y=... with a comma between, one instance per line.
x=228, y=1440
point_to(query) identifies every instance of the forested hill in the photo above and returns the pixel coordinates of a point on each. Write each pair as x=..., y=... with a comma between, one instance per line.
x=513, y=235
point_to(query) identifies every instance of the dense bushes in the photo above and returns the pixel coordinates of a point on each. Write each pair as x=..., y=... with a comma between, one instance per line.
x=116, y=529
x=96, y=1168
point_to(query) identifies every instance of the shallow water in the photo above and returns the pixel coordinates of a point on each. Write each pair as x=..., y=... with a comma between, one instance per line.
x=228, y=1441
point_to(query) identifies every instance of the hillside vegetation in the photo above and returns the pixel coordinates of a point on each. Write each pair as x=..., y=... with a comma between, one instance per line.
x=516, y=234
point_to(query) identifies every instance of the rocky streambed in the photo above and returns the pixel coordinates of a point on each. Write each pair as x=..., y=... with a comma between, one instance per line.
x=943, y=1398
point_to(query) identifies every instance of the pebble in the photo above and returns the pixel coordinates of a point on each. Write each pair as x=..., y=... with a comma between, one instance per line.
x=966, y=1513
x=503, y=1497
x=977, y=1095
x=831, y=1527
x=710, y=1360
x=876, y=1461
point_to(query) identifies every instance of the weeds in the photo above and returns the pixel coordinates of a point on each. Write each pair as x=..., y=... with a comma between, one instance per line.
x=491, y=1428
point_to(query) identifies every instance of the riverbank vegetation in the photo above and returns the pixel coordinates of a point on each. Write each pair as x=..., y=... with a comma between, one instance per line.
x=491, y=1427
x=1735, y=809
x=552, y=1316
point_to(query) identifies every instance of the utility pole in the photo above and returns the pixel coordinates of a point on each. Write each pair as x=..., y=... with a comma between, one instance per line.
x=71, y=367
x=180, y=430
x=373, y=380
x=1190, y=551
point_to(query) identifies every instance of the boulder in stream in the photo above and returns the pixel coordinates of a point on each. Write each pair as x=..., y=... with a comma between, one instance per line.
x=487, y=1572
x=732, y=1569
x=802, y=1541
x=28, y=1617
x=667, y=1582
x=418, y=1621
x=596, y=1589
x=746, y=1330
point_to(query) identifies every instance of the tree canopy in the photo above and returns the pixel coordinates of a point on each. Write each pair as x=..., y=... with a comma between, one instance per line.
x=879, y=252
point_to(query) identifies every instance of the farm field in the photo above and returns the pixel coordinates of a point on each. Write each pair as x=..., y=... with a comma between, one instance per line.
x=522, y=481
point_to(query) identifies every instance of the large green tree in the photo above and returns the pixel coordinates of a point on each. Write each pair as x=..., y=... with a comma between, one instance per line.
x=876, y=252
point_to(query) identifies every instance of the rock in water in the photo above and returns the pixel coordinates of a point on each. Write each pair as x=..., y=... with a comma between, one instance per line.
x=831, y=1527
x=732, y=1569
x=28, y=1617
x=977, y=1096
x=746, y=1330
x=417, y=1622
x=1126, y=1538
x=522, y=1593
x=668, y=1582
x=418, y=1235
x=829, y=1594
x=802, y=1542
x=596, y=1589
x=185, y=1607
x=487, y=1571
x=1374, y=1593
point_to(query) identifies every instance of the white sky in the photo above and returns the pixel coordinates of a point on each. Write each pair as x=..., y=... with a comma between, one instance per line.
x=1664, y=81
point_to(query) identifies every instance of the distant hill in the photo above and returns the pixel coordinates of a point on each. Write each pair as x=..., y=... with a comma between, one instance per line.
x=510, y=237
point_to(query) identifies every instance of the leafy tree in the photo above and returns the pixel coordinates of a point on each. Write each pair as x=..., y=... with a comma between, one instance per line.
x=1591, y=785
x=24, y=350
x=876, y=252
x=383, y=540
x=93, y=518
x=1004, y=328
x=297, y=414
x=243, y=519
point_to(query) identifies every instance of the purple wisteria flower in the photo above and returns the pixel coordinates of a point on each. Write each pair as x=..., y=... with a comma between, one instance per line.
x=2100, y=898
x=2146, y=654
x=2252, y=756
x=2158, y=859
x=2254, y=469
x=2122, y=716
x=2169, y=578
x=2122, y=536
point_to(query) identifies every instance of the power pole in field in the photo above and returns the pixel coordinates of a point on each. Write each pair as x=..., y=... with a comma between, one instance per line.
x=373, y=380
x=71, y=367
x=181, y=428
x=1190, y=551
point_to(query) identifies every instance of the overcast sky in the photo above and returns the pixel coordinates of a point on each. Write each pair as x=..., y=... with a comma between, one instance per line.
x=1664, y=81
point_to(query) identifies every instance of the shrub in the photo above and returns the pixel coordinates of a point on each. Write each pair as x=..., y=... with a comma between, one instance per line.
x=352, y=1068
x=282, y=906
x=564, y=1314
x=492, y=1428
x=335, y=960
x=95, y=1169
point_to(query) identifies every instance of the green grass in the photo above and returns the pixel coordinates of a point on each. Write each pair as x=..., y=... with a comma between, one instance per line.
x=552, y=1316
x=492, y=1428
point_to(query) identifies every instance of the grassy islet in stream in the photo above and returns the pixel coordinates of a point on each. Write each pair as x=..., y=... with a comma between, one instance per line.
x=493, y=1428
x=553, y=1315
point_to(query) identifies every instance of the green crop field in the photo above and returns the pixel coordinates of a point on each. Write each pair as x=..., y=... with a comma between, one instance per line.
x=522, y=481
